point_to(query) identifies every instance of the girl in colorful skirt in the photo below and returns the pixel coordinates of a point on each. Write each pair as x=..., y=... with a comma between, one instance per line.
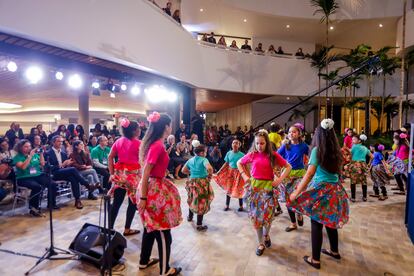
x=357, y=169
x=320, y=195
x=261, y=195
x=379, y=173
x=200, y=192
x=229, y=177
x=158, y=198
x=125, y=173
x=398, y=162
x=294, y=152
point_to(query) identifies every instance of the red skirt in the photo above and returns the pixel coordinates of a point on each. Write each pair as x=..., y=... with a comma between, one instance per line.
x=163, y=209
x=231, y=181
x=126, y=176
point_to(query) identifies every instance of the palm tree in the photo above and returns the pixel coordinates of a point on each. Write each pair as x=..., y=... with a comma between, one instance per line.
x=377, y=110
x=330, y=77
x=351, y=105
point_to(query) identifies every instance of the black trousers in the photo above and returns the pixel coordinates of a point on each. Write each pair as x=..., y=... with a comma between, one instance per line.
x=106, y=175
x=73, y=176
x=164, y=240
x=228, y=201
x=119, y=196
x=199, y=217
x=36, y=184
x=317, y=238
x=292, y=215
x=364, y=190
x=383, y=190
x=401, y=180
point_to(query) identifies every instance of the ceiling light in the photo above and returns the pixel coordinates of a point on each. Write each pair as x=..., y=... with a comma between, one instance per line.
x=112, y=95
x=12, y=66
x=245, y=20
x=34, y=74
x=95, y=84
x=172, y=97
x=124, y=87
x=287, y=98
x=287, y=26
x=380, y=25
x=75, y=81
x=201, y=10
x=135, y=90
x=331, y=27
x=59, y=75
x=9, y=105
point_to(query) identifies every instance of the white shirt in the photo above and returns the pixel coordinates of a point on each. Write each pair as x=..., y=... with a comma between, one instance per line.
x=58, y=156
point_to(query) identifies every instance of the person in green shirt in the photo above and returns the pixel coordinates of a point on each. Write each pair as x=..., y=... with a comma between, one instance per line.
x=99, y=156
x=29, y=163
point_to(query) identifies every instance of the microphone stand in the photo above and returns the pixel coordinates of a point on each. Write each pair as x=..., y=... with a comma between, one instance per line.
x=106, y=266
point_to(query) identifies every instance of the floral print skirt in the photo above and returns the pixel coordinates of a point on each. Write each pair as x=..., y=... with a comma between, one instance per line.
x=397, y=165
x=379, y=175
x=163, y=209
x=292, y=181
x=357, y=171
x=200, y=195
x=126, y=176
x=231, y=181
x=324, y=202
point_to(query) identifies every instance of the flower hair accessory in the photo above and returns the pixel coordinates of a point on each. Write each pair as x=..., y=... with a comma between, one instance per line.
x=299, y=126
x=154, y=117
x=125, y=122
x=381, y=147
x=363, y=137
x=403, y=135
x=195, y=143
x=327, y=124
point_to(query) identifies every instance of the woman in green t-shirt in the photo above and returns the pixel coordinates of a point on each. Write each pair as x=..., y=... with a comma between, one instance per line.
x=29, y=163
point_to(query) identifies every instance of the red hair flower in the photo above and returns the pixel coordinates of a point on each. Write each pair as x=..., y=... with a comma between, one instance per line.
x=403, y=135
x=154, y=117
x=125, y=122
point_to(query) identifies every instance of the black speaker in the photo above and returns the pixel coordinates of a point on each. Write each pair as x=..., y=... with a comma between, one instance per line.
x=88, y=244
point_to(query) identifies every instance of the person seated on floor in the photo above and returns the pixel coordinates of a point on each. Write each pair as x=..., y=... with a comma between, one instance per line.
x=61, y=168
x=83, y=163
x=99, y=157
x=29, y=163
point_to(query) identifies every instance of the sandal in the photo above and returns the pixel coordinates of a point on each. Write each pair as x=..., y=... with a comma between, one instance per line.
x=309, y=261
x=175, y=271
x=300, y=221
x=151, y=262
x=260, y=249
x=241, y=209
x=131, y=232
x=268, y=242
x=329, y=253
x=202, y=228
x=291, y=228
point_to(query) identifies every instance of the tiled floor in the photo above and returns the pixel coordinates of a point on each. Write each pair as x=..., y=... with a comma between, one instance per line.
x=374, y=242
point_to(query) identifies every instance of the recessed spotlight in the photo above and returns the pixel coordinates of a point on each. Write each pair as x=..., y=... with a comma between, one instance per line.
x=59, y=75
x=95, y=84
x=12, y=66
x=75, y=81
x=124, y=87
x=287, y=26
x=331, y=27
x=287, y=98
x=135, y=90
x=34, y=74
x=245, y=20
x=380, y=25
x=112, y=95
x=201, y=10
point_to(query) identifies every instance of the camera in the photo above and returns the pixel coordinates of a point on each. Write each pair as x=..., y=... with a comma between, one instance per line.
x=39, y=150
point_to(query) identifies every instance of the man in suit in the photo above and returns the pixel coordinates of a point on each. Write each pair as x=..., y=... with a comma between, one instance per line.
x=14, y=132
x=62, y=170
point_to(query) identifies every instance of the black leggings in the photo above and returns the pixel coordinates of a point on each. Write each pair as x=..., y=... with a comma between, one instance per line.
x=119, y=196
x=364, y=190
x=292, y=215
x=199, y=217
x=228, y=201
x=164, y=240
x=401, y=180
x=317, y=238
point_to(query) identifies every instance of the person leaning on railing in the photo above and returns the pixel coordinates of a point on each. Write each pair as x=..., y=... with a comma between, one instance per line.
x=176, y=16
x=29, y=163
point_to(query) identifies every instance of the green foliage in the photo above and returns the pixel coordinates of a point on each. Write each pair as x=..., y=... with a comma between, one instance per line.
x=325, y=7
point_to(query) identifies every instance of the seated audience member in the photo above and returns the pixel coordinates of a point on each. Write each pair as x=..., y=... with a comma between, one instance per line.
x=177, y=160
x=93, y=142
x=176, y=16
x=300, y=53
x=204, y=38
x=33, y=131
x=81, y=132
x=71, y=131
x=259, y=48
x=99, y=157
x=111, y=141
x=246, y=45
x=4, y=149
x=83, y=163
x=280, y=51
x=61, y=167
x=271, y=50
x=239, y=133
x=37, y=143
x=14, y=132
x=6, y=169
x=234, y=44
x=105, y=130
x=29, y=174
x=187, y=147
x=222, y=41
x=97, y=131
x=215, y=157
x=167, y=8
x=42, y=134
x=211, y=38
x=180, y=132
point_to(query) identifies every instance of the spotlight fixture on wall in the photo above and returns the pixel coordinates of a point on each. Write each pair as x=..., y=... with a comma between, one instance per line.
x=75, y=81
x=135, y=90
x=287, y=26
x=95, y=85
x=34, y=74
x=59, y=75
x=245, y=20
x=380, y=25
x=331, y=28
x=124, y=87
x=12, y=66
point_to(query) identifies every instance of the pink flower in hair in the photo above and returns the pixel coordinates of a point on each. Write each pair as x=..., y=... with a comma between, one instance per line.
x=299, y=126
x=403, y=135
x=154, y=117
x=381, y=147
x=125, y=122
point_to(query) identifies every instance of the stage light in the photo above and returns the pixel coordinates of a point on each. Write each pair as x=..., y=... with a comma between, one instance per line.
x=34, y=74
x=95, y=85
x=75, y=81
x=124, y=87
x=112, y=95
x=172, y=97
x=59, y=75
x=135, y=90
x=12, y=66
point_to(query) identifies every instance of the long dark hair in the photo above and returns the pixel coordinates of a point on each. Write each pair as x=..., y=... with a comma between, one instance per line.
x=129, y=131
x=81, y=132
x=71, y=130
x=329, y=152
x=401, y=141
x=154, y=132
x=76, y=145
x=268, y=150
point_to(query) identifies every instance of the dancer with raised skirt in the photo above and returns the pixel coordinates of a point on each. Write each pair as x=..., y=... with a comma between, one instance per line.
x=320, y=195
x=229, y=177
x=158, y=198
x=261, y=184
x=294, y=153
x=200, y=192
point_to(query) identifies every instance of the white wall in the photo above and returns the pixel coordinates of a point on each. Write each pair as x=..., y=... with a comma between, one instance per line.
x=409, y=31
x=288, y=46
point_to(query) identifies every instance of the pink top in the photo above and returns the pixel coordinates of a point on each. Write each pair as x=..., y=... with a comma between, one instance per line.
x=348, y=141
x=157, y=156
x=402, y=152
x=261, y=168
x=127, y=150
